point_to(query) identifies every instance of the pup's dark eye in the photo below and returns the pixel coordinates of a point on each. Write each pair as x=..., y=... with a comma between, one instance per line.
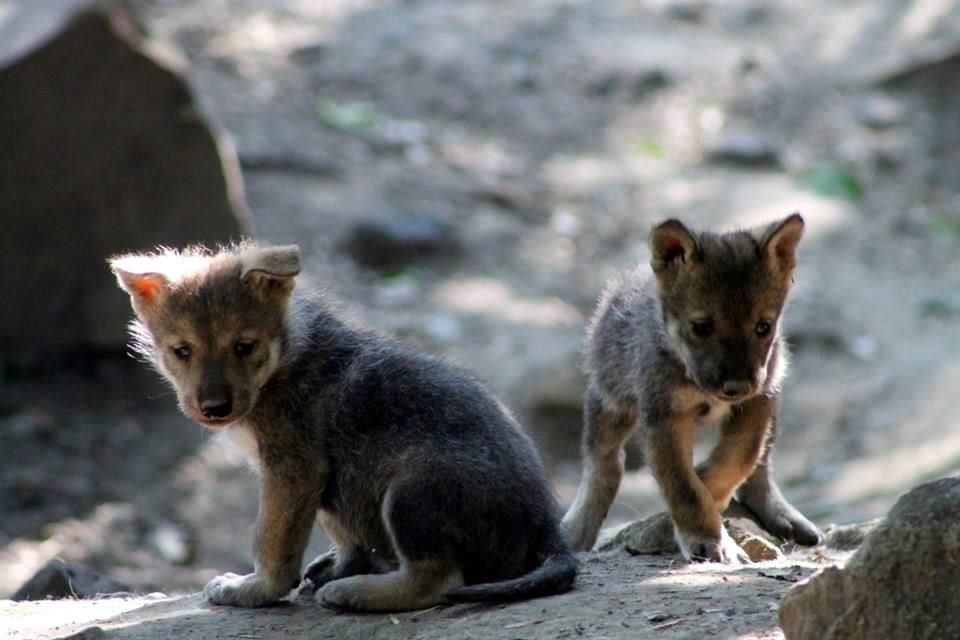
x=182, y=351
x=243, y=349
x=702, y=329
x=763, y=329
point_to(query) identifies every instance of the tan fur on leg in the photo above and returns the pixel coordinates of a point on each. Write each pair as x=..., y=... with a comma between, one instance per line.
x=416, y=585
x=736, y=454
x=283, y=529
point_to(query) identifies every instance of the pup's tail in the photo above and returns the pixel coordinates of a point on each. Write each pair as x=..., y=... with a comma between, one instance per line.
x=555, y=575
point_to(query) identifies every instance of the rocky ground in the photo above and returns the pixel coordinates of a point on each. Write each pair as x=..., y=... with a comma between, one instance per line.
x=509, y=158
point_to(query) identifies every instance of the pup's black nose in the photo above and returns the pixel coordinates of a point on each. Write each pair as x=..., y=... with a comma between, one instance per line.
x=216, y=408
x=735, y=388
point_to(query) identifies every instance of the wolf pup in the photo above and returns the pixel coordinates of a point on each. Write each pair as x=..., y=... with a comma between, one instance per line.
x=429, y=489
x=699, y=343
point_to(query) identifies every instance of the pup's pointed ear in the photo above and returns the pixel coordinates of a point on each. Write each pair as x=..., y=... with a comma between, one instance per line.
x=671, y=244
x=270, y=268
x=138, y=276
x=780, y=241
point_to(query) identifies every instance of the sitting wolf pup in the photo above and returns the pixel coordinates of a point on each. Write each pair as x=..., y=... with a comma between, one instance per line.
x=698, y=343
x=429, y=489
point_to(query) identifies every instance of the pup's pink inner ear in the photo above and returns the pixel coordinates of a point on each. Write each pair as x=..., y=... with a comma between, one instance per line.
x=672, y=249
x=671, y=243
x=782, y=240
x=145, y=287
x=142, y=276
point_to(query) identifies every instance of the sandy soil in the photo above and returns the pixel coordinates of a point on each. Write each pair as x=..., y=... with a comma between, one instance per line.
x=546, y=136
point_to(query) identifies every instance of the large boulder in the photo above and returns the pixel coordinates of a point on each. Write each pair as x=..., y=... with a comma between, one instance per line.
x=104, y=152
x=903, y=582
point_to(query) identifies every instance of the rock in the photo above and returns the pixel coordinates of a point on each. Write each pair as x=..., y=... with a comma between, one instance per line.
x=744, y=148
x=395, y=240
x=848, y=536
x=311, y=53
x=110, y=156
x=648, y=81
x=90, y=633
x=686, y=10
x=759, y=545
x=654, y=535
x=758, y=549
x=58, y=579
x=173, y=543
x=903, y=582
x=637, y=83
x=878, y=111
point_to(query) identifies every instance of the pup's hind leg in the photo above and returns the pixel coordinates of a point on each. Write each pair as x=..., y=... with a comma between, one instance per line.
x=342, y=562
x=604, y=434
x=762, y=496
x=344, y=559
x=415, y=585
x=420, y=540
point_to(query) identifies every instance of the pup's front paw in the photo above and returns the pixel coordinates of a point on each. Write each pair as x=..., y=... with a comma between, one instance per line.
x=698, y=547
x=241, y=591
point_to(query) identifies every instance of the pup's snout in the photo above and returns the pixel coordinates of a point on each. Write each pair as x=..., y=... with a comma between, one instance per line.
x=214, y=408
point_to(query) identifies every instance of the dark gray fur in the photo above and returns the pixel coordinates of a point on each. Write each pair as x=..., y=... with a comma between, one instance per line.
x=465, y=480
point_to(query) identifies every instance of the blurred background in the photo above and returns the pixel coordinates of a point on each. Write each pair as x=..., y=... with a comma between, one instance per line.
x=466, y=176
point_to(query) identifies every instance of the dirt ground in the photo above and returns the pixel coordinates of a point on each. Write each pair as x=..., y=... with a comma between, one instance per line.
x=618, y=596
x=544, y=138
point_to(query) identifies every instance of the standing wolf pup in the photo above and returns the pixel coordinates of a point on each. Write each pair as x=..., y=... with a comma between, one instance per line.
x=698, y=343
x=429, y=489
